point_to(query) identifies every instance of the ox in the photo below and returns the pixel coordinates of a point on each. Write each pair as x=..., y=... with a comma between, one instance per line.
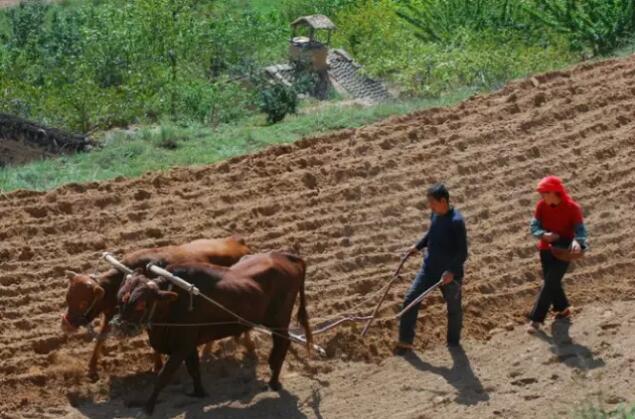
x=88, y=296
x=261, y=289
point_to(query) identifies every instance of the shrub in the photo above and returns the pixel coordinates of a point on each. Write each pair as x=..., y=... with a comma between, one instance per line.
x=472, y=58
x=599, y=412
x=438, y=20
x=597, y=24
x=25, y=22
x=293, y=9
x=167, y=138
x=277, y=101
x=92, y=65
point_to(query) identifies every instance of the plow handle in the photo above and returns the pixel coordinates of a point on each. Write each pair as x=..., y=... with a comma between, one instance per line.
x=383, y=297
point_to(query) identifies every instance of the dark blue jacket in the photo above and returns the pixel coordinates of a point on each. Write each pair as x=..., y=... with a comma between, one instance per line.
x=446, y=241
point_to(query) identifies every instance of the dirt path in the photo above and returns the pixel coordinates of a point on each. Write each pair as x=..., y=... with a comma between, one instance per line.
x=349, y=203
x=569, y=367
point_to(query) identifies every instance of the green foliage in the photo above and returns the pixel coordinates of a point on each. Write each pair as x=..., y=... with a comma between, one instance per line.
x=93, y=65
x=601, y=25
x=593, y=412
x=293, y=9
x=25, y=21
x=277, y=101
x=471, y=58
x=168, y=137
x=90, y=66
x=439, y=20
x=149, y=148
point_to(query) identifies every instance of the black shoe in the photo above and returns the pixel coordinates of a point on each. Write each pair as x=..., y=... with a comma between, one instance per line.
x=402, y=349
x=564, y=314
x=534, y=328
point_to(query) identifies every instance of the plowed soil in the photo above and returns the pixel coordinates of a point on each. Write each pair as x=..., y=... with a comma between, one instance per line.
x=349, y=203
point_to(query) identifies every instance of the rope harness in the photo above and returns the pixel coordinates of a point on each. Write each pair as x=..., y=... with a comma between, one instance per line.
x=294, y=336
x=328, y=325
x=108, y=257
x=194, y=291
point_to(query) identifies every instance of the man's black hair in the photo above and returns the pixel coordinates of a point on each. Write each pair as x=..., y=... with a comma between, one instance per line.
x=438, y=192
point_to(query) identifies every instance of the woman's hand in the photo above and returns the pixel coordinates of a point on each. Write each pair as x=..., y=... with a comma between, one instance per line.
x=550, y=237
x=575, y=247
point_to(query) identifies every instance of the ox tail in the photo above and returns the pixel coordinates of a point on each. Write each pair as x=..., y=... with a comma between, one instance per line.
x=303, y=316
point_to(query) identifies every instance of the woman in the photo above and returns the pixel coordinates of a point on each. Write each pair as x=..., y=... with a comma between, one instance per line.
x=559, y=225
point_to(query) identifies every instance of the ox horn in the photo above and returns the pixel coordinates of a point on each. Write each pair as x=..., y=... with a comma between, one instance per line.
x=71, y=274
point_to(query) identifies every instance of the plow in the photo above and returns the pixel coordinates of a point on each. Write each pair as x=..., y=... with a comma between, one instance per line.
x=293, y=335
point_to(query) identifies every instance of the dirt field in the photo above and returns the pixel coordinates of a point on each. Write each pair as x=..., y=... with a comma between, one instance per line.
x=349, y=203
x=566, y=369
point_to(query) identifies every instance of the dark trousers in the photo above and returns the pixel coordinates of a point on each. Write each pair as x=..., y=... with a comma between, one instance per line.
x=452, y=296
x=551, y=293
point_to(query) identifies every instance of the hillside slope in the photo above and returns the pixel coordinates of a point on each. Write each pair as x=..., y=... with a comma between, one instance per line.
x=349, y=203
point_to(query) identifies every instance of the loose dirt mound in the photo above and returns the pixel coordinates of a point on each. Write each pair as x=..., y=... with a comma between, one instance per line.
x=350, y=203
x=22, y=141
x=18, y=152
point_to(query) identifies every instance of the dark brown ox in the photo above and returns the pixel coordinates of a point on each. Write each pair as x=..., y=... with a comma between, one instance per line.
x=88, y=296
x=261, y=289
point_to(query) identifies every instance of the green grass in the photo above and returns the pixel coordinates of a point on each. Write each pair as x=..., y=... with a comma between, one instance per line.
x=625, y=50
x=149, y=149
x=594, y=412
x=251, y=33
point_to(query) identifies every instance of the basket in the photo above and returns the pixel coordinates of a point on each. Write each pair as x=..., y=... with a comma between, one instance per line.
x=566, y=255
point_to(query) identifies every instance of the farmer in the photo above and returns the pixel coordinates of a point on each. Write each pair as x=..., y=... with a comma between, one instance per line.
x=559, y=225
x=447, y=251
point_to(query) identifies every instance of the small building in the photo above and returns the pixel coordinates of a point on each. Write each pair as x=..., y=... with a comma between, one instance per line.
x=310, y=39
x=310, y=51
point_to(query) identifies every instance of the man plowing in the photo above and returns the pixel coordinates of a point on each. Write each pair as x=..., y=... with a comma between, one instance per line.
x=446, y=242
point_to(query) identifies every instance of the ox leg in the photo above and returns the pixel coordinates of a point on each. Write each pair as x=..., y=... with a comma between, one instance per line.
x=168, y=370
x=99, y=344
x=276, y=358
x=249, y=344
x=193, y=368
x=206, y=352
x=158, y=362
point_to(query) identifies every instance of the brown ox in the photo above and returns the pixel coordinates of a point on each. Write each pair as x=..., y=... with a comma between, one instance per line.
x=88, y=296
x=261, y=289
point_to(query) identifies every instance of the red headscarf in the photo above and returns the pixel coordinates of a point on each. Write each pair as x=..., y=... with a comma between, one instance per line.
x=554, y=184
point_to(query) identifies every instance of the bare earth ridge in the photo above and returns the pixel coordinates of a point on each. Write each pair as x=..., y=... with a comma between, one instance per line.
x=349, y=203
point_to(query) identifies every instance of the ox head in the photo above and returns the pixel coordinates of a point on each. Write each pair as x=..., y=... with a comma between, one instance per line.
x=137, y=294
x=82, y=298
